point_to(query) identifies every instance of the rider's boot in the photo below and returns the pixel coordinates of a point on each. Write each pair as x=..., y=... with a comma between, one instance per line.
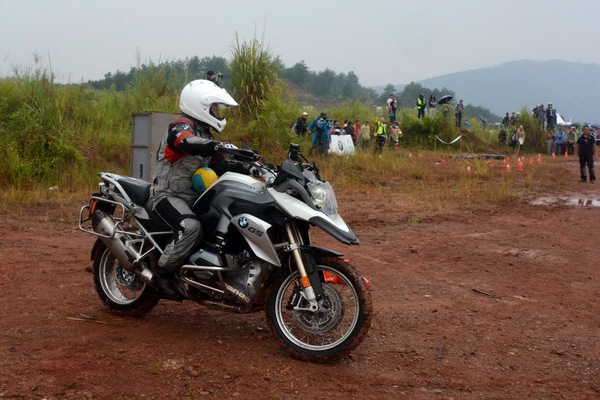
x=163, y=281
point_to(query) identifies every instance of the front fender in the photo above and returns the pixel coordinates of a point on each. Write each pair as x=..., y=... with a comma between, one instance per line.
x=320, y=251
x=344, y=236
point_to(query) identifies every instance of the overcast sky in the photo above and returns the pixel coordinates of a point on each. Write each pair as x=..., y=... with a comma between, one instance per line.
x=383, y=41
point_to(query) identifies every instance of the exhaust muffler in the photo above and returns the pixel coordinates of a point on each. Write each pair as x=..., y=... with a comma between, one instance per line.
x=106, y=228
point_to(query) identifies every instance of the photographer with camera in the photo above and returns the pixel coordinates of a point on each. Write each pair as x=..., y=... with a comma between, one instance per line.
x=215, y=78
x=321, y=139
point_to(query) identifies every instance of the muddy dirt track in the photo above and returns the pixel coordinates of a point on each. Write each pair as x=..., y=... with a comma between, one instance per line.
x=485, y=302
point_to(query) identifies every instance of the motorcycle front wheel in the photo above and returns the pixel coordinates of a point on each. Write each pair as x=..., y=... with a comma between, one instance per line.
x=340, y=325
x=121, y=291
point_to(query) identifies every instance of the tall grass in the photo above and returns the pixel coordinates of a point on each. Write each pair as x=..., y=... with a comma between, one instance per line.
x=254, y=80
x=60, y=136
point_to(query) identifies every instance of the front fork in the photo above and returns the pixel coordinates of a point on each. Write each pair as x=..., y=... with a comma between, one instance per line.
x=307, y=268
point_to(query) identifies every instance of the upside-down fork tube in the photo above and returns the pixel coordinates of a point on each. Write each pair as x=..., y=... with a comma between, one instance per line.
x=308, y=284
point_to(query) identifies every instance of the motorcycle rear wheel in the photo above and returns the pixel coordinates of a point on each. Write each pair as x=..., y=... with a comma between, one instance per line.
x=122, y=292
x=338, y=328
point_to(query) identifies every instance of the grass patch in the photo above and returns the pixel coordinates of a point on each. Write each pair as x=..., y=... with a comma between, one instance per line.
x=422, y=181
x=428, y=182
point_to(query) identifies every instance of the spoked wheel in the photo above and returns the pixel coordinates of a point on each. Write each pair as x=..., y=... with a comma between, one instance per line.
x=123, y=292
x=340, y=325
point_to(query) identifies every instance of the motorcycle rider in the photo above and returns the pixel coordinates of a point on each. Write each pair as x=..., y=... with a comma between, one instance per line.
x=188, y=145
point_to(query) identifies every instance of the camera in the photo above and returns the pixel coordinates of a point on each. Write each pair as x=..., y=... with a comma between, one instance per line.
x=216, y=78
x=294, y=151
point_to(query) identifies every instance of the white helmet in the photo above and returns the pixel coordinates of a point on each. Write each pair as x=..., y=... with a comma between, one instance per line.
x=201, y=99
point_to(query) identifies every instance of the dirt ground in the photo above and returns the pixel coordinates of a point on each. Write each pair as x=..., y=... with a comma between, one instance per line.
x=486, y=302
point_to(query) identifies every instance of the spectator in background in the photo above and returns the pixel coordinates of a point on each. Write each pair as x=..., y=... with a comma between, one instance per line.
x=506, y=120
x=394, y=129
x=483, y=120
x=520, y=136
x=380, y=135
x=421, y=106
x=550, y=139
x=336, y=129
x=432, y=103
x=502, y=136
x=301, y=125
x=559, y=143
x=458, y=111
x=355, y=132
x=541, y=116
x=391, y=104
x=349, y=128
x=216, y=78
x=365, y=135
x=513, y=119
x=571, y=140
x=586, y=151
x=550, y=118
x=321, y=139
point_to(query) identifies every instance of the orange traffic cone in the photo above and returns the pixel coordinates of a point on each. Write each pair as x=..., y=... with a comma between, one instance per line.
x=539, y=160
x=507, y=169
x=566, y=154
x=530, y=161
x=553, y=155
x=520, y=165
x=468, y=169
x=331, y=278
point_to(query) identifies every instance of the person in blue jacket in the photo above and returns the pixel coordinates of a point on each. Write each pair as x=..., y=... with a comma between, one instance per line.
x=321, y=137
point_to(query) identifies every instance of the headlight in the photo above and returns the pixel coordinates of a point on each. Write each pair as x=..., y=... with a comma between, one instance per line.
x=323, y=196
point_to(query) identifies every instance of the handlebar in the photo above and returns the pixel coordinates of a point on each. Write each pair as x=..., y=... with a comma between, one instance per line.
x=269, y=172
x=241, y=154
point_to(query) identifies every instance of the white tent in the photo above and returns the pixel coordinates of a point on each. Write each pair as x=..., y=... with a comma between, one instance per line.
x=560, y=121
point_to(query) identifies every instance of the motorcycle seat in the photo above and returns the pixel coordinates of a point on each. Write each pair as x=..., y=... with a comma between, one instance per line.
x=137, y=189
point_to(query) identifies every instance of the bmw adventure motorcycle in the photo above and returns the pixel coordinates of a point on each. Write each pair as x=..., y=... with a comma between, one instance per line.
x=256, y=254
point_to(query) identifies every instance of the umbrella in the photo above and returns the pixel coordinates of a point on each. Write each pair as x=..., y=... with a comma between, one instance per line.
x=445, y=99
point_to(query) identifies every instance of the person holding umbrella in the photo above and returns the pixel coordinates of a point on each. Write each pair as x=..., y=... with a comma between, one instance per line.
x=444, y=99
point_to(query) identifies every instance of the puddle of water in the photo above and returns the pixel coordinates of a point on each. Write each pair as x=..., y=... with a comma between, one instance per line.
x=573, y=200
x=583, y=202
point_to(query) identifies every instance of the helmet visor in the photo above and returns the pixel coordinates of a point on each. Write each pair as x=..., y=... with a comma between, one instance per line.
x=216, y=109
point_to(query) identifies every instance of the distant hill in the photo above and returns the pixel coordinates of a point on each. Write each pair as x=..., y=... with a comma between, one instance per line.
x=571, y=87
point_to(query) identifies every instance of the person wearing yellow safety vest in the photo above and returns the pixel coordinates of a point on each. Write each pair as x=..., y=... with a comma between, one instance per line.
x=380, y=135
x=421, y=106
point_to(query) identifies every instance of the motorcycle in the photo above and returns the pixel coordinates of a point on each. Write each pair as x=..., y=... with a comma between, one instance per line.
x=256, y=253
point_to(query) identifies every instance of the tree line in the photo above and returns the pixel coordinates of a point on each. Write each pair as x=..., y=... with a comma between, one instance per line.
x=326, y=85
